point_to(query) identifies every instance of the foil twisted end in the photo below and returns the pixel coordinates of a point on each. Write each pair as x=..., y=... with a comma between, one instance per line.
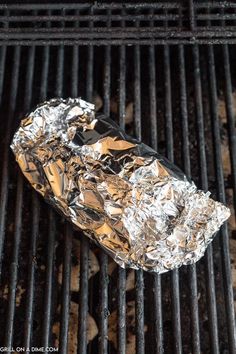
x=133, y=202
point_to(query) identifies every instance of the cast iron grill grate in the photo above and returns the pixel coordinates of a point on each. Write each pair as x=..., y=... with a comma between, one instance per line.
x=159, y=23
x=159, y=59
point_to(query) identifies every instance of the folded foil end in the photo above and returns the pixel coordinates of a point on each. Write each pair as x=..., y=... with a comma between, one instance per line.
x=132, y=201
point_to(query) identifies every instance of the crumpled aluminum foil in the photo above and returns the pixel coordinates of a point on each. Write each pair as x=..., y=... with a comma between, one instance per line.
x=133, y=202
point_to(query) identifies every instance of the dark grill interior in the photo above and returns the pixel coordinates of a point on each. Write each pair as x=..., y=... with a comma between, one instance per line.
x=159, y=59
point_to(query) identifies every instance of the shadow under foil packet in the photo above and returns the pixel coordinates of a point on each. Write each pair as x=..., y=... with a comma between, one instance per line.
x=132, y=201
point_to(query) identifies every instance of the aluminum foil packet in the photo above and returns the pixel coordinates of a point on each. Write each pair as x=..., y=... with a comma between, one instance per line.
x=132, y=201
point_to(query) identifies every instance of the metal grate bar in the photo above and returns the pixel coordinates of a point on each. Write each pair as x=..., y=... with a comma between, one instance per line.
x=99, y=6
x=60, y=64
x=75, y=66
x=154, y=143
x=65, y=306
x=187, y=170
x=184, y=112
x=29, y=78
x=194, y=309
x=153, y=104
x=75, y=70
x=139, y=312
x=104, y=312
x=200, y=120
x=118, y=6
x=46, y=330
x=31, y=271
x=168, y=105
x=122, y=88
x=83, y=298
x=127, y=42
x=169, y=150
x=139, y=286
x=45, y=69
x=211, y=300
x=95, y=17
x=158, y=325
x=137, y=92
x=113, y=32
x=50, y=247
x=196, y=344
x=104, y=18
x=107, y=73
x=17, y=233
x=107, y=80
x=84, y=255
x=152, y=89
x=84, y=244
x=43, y=87
x=121, y=283
x=89, y=84
x=114, y=35
x=224, y=239
x=158, y=313
x=35, y=220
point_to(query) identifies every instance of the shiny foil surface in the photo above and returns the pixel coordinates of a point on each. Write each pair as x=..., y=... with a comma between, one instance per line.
x=133, y=202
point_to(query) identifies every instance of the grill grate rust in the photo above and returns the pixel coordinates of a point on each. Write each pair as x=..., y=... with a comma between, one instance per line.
x=176, y=96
